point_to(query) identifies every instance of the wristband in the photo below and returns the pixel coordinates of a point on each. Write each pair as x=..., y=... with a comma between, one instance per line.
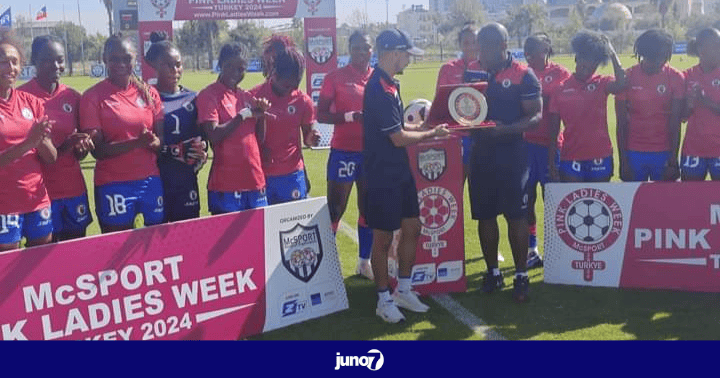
x=246, y=113
x=349, y=117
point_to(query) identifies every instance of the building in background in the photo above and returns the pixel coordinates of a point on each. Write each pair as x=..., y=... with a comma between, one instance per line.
x=419, y=23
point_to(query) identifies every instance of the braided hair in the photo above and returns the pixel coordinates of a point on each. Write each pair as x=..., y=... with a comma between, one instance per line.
x=280, y=57
x=589, y=46
x=655, y=45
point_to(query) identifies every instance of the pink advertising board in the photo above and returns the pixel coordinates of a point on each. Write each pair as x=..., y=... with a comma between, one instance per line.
x=634, y=235
x=217, y=278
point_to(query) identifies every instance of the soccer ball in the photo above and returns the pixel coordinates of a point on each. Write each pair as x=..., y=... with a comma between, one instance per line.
x=588, y=221
x=434, y=211
x=417, y=111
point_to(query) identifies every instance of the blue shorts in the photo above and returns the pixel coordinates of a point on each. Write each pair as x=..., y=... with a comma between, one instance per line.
x=118, y=203
x=32, y=226
x=466, y=149
x=694, y=166
x=538, y=164
x=385, y=208
x=344, y=166
x=281, y=189
x=588, y=170
x=228, y=202
x=646, y=165
x=182, y=200
x=71, y=214
x=498, y=180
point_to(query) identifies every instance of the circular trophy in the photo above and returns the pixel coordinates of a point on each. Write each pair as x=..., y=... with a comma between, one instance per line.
x=468, y=106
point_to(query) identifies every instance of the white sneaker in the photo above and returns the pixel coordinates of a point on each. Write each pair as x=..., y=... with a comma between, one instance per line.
x=389, y=312
x=410, y=301
x=365, y=269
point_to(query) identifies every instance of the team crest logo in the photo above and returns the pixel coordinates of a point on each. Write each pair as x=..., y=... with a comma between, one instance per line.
x=81, y=210
x=189, y=106
x=312, y=5
x=716, y=83
x=661, y=89
x=438, y=214
x=506, y=83
x=432, y=164
x=291, y=109
x=548, y=79
x=193, y=195
x=320, y=48
x=140, y=102
x=27, y=113
x=301, y=251
x=591, y=87
x=161, y=6
x=589, y=221
x=45, y=213
x=67, y=108
x=296, y=194
x=160, y=201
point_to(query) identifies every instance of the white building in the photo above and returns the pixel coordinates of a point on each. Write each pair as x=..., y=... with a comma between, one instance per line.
x=418, y=23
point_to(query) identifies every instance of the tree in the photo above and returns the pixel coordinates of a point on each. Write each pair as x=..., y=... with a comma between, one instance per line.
x=358, y=19
x=251, y=36
x=73, y=36
x=109, y=9
x=524, y=20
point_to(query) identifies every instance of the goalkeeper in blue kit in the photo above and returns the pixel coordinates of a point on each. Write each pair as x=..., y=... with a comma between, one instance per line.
x=184, y=151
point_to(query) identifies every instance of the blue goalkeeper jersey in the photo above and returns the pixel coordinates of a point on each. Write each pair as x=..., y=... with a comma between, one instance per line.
x=180, y=125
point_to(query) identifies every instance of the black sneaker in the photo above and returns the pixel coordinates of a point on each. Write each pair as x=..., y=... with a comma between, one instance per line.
x=492, y=282
x=521, y=287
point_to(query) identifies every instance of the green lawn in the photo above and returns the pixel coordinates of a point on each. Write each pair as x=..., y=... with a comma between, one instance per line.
x=556, y=312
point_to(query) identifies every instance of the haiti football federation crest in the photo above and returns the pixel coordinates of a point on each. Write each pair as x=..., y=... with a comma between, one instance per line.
x=432, y=164
x=301, y=251
x=161, y=6
x=588, y=221
x=320, y=48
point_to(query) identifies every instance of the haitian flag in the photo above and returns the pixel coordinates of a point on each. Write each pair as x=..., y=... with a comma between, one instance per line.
x=41, y=14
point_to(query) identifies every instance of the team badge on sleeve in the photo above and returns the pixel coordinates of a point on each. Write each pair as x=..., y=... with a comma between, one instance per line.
x=661, y=89
x=140, y=102
x=27, y=113
x=506, y=83
x=67, y=108
x=81, y=210
x=548, y=79
x=291, y=110
x=591, y=87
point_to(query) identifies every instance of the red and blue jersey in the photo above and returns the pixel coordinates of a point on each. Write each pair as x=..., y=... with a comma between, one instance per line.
x=236, y=162
x=582, y=107
x=649, y=101
x=180, y=125
x=22, y=187
x=344, y=87
x=282, y=149
x=385, y=165
x=550, y=78
x=64, y=178
x=702, y=138
x=506, y=91
x=121, y=114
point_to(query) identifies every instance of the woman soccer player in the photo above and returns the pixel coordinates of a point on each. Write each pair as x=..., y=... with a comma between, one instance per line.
x=702, y=138
x=25, y=145
x=294, y=112
x=182, y=154
x=64, y=179
x=649, y=112
x=581, y=103
x=538, y=50
x=234, y=122
x=125, y=115
x=455, y=71
x=340, y=104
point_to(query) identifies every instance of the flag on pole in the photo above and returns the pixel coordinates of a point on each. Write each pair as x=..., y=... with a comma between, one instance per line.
x=42, y=13
x=6, y=19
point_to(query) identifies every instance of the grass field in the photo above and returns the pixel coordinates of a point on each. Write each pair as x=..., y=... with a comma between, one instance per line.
x=555, y=312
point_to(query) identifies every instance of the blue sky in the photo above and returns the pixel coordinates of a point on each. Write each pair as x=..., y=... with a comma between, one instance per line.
x=94, y=17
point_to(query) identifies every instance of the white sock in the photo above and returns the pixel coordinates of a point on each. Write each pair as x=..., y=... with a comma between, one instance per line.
x=496, y=271
x=363, y=261
x=521, y=274
x=384, y=296
x=403, y=285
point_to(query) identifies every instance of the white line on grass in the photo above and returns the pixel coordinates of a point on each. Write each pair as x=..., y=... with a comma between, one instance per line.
x=459, y=312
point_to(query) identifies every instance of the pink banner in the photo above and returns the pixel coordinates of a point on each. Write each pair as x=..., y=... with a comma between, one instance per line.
x=163, y=282
x=144, y=30
x=233, y=9
x=321, y=53
x=440, y=257
x=673, y=240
